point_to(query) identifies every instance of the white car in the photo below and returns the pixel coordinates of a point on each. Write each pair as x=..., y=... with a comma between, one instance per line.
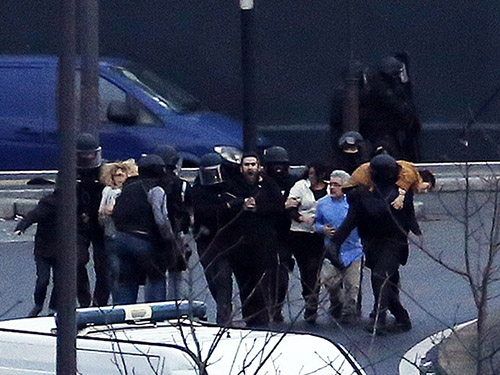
x=167, y=338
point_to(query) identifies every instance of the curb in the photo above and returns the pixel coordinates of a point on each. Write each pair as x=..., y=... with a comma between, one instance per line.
x=20, y=201
x=423, y=358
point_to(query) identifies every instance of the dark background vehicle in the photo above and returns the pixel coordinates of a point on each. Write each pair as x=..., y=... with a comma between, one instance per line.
x=138, y=110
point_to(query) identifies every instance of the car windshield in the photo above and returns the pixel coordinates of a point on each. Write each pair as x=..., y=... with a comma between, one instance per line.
x=174, y=97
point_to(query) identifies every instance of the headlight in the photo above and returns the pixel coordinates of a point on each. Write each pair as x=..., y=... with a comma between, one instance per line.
x=229, y=153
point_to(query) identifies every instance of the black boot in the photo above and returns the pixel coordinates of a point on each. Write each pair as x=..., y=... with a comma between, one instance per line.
x=35, y=311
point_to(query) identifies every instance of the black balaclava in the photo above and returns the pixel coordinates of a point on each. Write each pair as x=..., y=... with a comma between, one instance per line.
x=384, y=170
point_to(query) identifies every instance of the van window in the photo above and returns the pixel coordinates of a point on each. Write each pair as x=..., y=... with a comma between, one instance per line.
x=174, y=97
x=109, y=92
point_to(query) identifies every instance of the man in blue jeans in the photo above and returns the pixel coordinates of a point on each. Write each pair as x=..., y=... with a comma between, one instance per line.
x=144, y=244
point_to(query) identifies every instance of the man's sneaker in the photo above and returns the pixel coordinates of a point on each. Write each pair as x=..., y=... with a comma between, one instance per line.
x=376, y=329
x=378, y=325
x=278, y=318
x=348, y=318
x=35, y=311
x=310, y=316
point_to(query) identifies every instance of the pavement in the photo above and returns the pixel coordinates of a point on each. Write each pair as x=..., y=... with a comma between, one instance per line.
x=452, y=351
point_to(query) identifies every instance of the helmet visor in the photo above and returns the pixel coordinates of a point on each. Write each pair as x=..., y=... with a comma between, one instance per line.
x=86, y=159
x=210, y=175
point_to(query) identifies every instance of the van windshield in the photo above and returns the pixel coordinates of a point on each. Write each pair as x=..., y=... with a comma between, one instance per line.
x=171, y=95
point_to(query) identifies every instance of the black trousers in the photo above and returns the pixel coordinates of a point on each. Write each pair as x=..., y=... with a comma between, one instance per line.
x=281, y=277
x=102, y=271
x=385, y=285
x=254, y=259
x=219, y=277
x=307, y=248
x=44, y=267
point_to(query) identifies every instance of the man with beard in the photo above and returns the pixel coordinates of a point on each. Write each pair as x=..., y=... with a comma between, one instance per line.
x=253, y=252
x=277, y=166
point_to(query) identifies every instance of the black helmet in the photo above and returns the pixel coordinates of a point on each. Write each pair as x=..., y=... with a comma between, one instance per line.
x=88, y=151
x=349, y=142
x=276, y=154
x=211, y=159
x=393, y=67
x=151, y=166
x=384, y=169
x=168, y=154
x=210, y=171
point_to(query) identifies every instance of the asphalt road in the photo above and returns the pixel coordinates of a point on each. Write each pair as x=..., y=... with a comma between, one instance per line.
x=435, y=297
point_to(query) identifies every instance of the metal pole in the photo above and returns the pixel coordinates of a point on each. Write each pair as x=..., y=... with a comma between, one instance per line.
x=66, y=185
x=249, y=127
x=350, y=119
x=89, y=44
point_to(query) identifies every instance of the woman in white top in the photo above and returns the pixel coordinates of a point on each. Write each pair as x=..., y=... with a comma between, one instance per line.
x=305, y=244
x=113, y=175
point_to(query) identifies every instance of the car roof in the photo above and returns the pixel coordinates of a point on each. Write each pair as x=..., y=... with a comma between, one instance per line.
x=223, y=348
x=53, y=60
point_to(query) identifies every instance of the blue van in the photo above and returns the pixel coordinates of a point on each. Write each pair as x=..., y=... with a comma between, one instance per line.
x=138, y=110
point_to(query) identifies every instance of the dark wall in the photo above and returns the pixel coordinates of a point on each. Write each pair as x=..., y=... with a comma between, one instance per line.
x=301, y=47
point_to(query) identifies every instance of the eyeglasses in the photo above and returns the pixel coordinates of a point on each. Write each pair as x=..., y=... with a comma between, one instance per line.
x=335, y=184
x=119, y=175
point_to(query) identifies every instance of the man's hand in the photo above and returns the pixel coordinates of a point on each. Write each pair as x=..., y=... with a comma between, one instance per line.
x=328, y=230
x=398, y=203
x=292, y=202
x=249, y=204
x=307, y=220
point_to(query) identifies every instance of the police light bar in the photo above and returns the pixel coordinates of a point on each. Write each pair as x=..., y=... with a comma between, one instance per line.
x=152, y=312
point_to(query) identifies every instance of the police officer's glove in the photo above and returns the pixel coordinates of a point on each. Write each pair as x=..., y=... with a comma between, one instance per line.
x=178, y=261
x=287, y=261
x=333, y=255
x=180, y=257
x=290, y=264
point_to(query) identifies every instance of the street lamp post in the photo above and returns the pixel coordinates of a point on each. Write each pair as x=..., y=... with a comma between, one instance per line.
x=66, y=185
x=247, y=65
x=89, y=49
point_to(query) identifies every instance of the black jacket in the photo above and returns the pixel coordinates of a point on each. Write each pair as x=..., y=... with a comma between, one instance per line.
x=178, y=201
x=269, y=205
x=45, y=214
x=208, y=204
x=382, y=229
x=133, y=212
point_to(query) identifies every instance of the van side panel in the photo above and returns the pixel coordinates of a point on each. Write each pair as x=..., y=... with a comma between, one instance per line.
x=27, y=107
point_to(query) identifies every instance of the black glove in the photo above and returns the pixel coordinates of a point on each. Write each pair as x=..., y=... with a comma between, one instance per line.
x=332, y=253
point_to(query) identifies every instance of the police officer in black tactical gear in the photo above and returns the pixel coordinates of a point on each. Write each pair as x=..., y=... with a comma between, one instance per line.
x=179, y=207
x=388, y=116
x=384, y=233
x=145, y=243
x=387, y=113
x=277, y=166
x=354, y=152
x=89, y=232
x=209, y=200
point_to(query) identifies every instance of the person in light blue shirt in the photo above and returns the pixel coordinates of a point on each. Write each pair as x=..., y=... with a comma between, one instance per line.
x=343, y=279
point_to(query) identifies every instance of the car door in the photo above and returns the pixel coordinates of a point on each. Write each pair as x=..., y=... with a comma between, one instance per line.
x=27, y=110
